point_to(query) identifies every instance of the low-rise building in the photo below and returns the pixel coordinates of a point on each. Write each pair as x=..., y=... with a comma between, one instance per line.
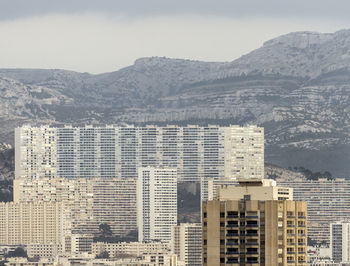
x=129, y=248
x=43, y=250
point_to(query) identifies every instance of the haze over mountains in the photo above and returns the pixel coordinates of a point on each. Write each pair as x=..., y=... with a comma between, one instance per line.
x=297, y=86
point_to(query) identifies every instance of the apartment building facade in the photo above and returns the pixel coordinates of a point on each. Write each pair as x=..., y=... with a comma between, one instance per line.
x=31, y=223
x=118, y=151
x=254, y=223
x=186, y=243
x=340, y=241
x=156, y=203
x=327, y=200
x=87, y=202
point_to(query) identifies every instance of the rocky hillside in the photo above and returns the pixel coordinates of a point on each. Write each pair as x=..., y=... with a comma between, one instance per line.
x=7, y=162
x=297, y=86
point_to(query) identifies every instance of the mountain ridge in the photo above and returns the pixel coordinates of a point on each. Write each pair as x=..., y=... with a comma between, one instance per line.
x=297, y=86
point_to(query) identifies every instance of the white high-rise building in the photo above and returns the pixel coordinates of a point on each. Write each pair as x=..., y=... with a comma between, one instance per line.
x=156, y=203
x=186, y=243
x=118, y=151
x=340, y=241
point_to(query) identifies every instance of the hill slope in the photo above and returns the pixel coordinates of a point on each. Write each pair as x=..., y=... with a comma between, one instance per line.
x=296, y=86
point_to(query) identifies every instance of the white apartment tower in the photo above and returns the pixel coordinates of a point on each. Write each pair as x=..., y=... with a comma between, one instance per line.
x=186, y=243
x=156, y=203
x=340, y=241
x=118, y=151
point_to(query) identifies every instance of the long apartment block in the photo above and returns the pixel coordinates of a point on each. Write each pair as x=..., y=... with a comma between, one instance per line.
x=328, y=201
x=87, y=202
x=118, y=151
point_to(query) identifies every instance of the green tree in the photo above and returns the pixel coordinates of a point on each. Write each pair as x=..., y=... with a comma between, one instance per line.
x=18, y=252
x=103, y=255
x=105, y=230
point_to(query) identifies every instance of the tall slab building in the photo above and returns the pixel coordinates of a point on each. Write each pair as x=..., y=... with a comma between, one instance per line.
x=118, y=151
x=156, y=203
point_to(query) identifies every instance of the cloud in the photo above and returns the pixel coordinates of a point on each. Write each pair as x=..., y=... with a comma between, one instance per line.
x=96, y=42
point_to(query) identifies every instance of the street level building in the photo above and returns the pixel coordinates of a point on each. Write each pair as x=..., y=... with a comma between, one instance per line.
x=133, y=249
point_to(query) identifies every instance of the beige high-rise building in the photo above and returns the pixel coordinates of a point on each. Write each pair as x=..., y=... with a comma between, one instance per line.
x=254, y=223
x=31, y=223
x=186, y=243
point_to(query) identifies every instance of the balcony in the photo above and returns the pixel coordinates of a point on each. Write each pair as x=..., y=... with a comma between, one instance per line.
x=232, y=253
x=252, y=252
x=252, y=244
x=232, y=243
x=252, y=217
x=232, y=261
x=301, y=243
x=252, y=225
x=252, y=234
x=232, y=235
x=290, y=225
x=232, y=225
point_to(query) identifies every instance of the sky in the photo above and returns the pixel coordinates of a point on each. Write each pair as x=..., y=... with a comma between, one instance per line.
x=99, y=36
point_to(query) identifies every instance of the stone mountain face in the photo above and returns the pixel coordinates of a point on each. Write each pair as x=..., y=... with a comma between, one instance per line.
x=297, y=86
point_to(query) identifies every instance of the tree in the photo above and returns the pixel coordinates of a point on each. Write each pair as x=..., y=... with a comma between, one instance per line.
x=103, y=255
x=18, y=252
x=105, y=230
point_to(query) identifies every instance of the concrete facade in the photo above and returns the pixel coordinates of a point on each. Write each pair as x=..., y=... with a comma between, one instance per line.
x=240, y=228
x=118, y=151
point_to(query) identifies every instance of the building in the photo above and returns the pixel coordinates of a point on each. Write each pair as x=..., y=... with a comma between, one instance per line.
x=155, y=259
x=209, y=187
x=156, y=203
x=135, y=249
x=31, y=223
x=118, y=151
x=43, y=250
x=340, y=241
x=186, y=243
x=87, y=202
x=327, y=200
x=254, y=223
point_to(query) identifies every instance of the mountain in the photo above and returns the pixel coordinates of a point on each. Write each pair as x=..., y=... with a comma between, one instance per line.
x=297, y=86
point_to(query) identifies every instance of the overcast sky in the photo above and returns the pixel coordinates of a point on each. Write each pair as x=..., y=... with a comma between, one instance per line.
x=105, y=35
